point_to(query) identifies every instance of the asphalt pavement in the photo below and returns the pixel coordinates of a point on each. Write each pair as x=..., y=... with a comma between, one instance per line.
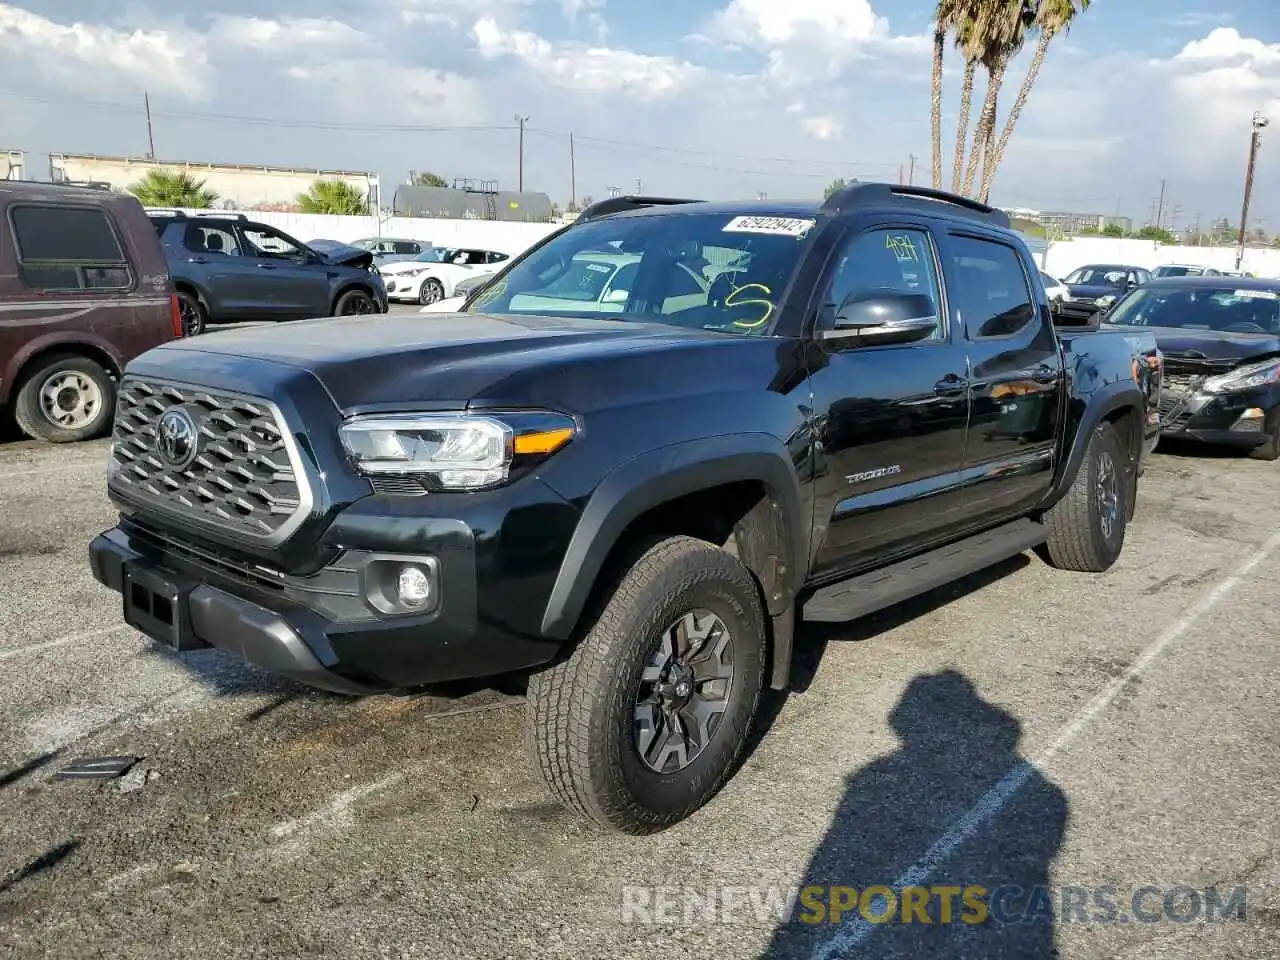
x=1026, y=728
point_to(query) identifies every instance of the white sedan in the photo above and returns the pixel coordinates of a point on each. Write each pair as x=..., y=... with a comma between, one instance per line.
x=432, y=275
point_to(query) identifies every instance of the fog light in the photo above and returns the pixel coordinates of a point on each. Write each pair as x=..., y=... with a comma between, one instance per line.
x=413, y=586
x=1250, y=421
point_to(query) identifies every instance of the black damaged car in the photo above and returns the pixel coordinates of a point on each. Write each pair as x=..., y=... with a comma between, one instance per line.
x=1220, y=337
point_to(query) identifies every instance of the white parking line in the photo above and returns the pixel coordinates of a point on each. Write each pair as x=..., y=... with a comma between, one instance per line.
x=995, y=798
x=64, y=468
x=60, y=642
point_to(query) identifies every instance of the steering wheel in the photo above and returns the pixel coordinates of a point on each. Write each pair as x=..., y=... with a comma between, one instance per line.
x=1244, y=327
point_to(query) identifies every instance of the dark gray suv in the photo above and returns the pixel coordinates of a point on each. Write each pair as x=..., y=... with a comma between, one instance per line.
x=229, y=269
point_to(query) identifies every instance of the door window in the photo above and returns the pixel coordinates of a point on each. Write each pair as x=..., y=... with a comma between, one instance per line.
x=880, y=261
x=992, y=290
x=68, y=248
x=265, y=242
x=203, y=239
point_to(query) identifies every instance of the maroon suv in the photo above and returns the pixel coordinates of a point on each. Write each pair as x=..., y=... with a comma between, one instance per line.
x=83, y=290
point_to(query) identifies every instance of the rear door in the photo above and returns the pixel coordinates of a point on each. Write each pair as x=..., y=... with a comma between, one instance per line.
x=890, y=418
x=1015, y=374
x=295, y=286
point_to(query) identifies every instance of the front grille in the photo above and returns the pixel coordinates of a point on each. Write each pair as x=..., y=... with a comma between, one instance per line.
x=242, y=475
x=254, y=573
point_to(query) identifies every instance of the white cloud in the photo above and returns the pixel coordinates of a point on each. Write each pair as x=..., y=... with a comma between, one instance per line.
x=1226, y=43
x=456, y=13
x=288, y=34
x=821, y=128
x=421, y=95
x=1196, y=19
x=578, y=66
x=79, y=53
x=806, y=41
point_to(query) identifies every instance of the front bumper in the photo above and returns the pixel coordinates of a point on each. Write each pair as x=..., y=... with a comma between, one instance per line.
x=403, y=288
x=318, y=630
x=1230, y=419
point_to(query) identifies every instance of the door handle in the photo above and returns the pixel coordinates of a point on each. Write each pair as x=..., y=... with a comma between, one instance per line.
x=266, y=266
x=950, y=386
x=1044, y=374
x=196, y=260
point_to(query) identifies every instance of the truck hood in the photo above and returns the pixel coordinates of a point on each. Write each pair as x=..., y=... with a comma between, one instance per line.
x=411, y=361
x=1211, y=348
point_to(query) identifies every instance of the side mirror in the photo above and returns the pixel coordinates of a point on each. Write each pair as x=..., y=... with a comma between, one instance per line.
x=886, y=318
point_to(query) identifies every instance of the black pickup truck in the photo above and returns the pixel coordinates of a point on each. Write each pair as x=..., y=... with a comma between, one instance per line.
x=781, y=411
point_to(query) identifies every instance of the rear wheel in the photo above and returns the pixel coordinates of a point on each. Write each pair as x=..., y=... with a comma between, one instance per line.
x=432, y=291
x=644, y=722
x=354, y=303
x=192, y=313
x=65, y=400
x=1087, y=526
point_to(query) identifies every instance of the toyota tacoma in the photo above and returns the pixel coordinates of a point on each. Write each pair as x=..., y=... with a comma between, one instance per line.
x=788, y=411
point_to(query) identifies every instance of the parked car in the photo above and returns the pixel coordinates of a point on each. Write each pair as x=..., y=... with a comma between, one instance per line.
x=227, y=268
x=391, y=249
x=83, y=290
x=1054, y=288
x=1104, y=283
x=1220, y=337
x=461, y=290
x=1183, y=270
x=431, y=276
x=866, y=401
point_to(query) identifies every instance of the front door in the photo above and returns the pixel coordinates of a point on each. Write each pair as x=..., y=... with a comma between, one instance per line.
x=296, y=286
x=233, y=284
x=1016, y=377
x=890, y=419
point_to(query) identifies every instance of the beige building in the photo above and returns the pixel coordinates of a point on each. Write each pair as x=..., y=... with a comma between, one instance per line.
x=238, y=186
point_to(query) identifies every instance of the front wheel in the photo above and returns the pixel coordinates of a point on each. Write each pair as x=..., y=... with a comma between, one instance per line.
x=66, y=400
x=1270, y=450
x=1087, y=526
x=644, y=722
x=431, y=292
x=354, y=303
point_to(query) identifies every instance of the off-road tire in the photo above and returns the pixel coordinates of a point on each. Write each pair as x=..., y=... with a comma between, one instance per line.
x=195, y=319
x=581, y=711
x=30, y=417
x=1270, y=450
x=1076, y=538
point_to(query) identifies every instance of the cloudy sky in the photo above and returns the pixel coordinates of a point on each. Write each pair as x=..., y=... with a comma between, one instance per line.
x=716, y=98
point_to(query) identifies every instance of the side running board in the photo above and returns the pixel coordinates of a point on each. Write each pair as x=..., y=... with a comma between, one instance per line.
x=869, y=592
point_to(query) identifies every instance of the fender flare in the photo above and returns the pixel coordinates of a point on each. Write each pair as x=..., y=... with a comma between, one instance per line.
x=1118, y=395
x=662, y=475
x=64, y=341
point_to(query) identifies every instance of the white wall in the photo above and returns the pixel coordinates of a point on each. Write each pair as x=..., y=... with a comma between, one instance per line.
x=509, y=238
x=1065, y=255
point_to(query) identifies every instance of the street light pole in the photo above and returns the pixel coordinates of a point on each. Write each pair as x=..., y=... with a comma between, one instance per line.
x=1255, y=139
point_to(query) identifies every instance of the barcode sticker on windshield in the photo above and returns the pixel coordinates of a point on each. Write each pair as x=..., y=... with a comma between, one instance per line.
x=1257, y=295
x=778, y=226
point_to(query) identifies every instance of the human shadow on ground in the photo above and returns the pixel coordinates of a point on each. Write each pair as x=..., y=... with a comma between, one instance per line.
x=954, y=806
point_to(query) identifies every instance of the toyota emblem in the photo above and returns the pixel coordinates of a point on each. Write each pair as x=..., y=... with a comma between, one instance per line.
x=176, y=438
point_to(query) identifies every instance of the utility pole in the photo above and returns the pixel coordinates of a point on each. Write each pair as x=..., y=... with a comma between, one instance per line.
x=1160, y=208
x=911, y=171
x=573, y=176
x=1255, y=140
x=522, y=120
x=901, y=177
x=151, y=137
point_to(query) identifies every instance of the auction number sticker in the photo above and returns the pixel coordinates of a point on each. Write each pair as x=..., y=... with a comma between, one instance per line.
x=1257, y=295
x=777, y=226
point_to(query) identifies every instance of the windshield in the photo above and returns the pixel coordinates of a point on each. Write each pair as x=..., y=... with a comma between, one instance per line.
x=1049, y=281
x=1224, y=309
x=702, y=270
x=436, y=255
x=1099, y=276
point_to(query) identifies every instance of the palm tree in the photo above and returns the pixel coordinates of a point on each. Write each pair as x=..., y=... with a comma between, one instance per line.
x=173, y=188
x=999, y=32
x=334, y=197
x=1053, y=17
x=429, y=180
x=966, y=28
x=945, y=19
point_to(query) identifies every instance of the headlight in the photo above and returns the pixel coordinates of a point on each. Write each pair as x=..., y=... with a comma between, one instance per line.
x=1244, y=378
x=453, y=452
